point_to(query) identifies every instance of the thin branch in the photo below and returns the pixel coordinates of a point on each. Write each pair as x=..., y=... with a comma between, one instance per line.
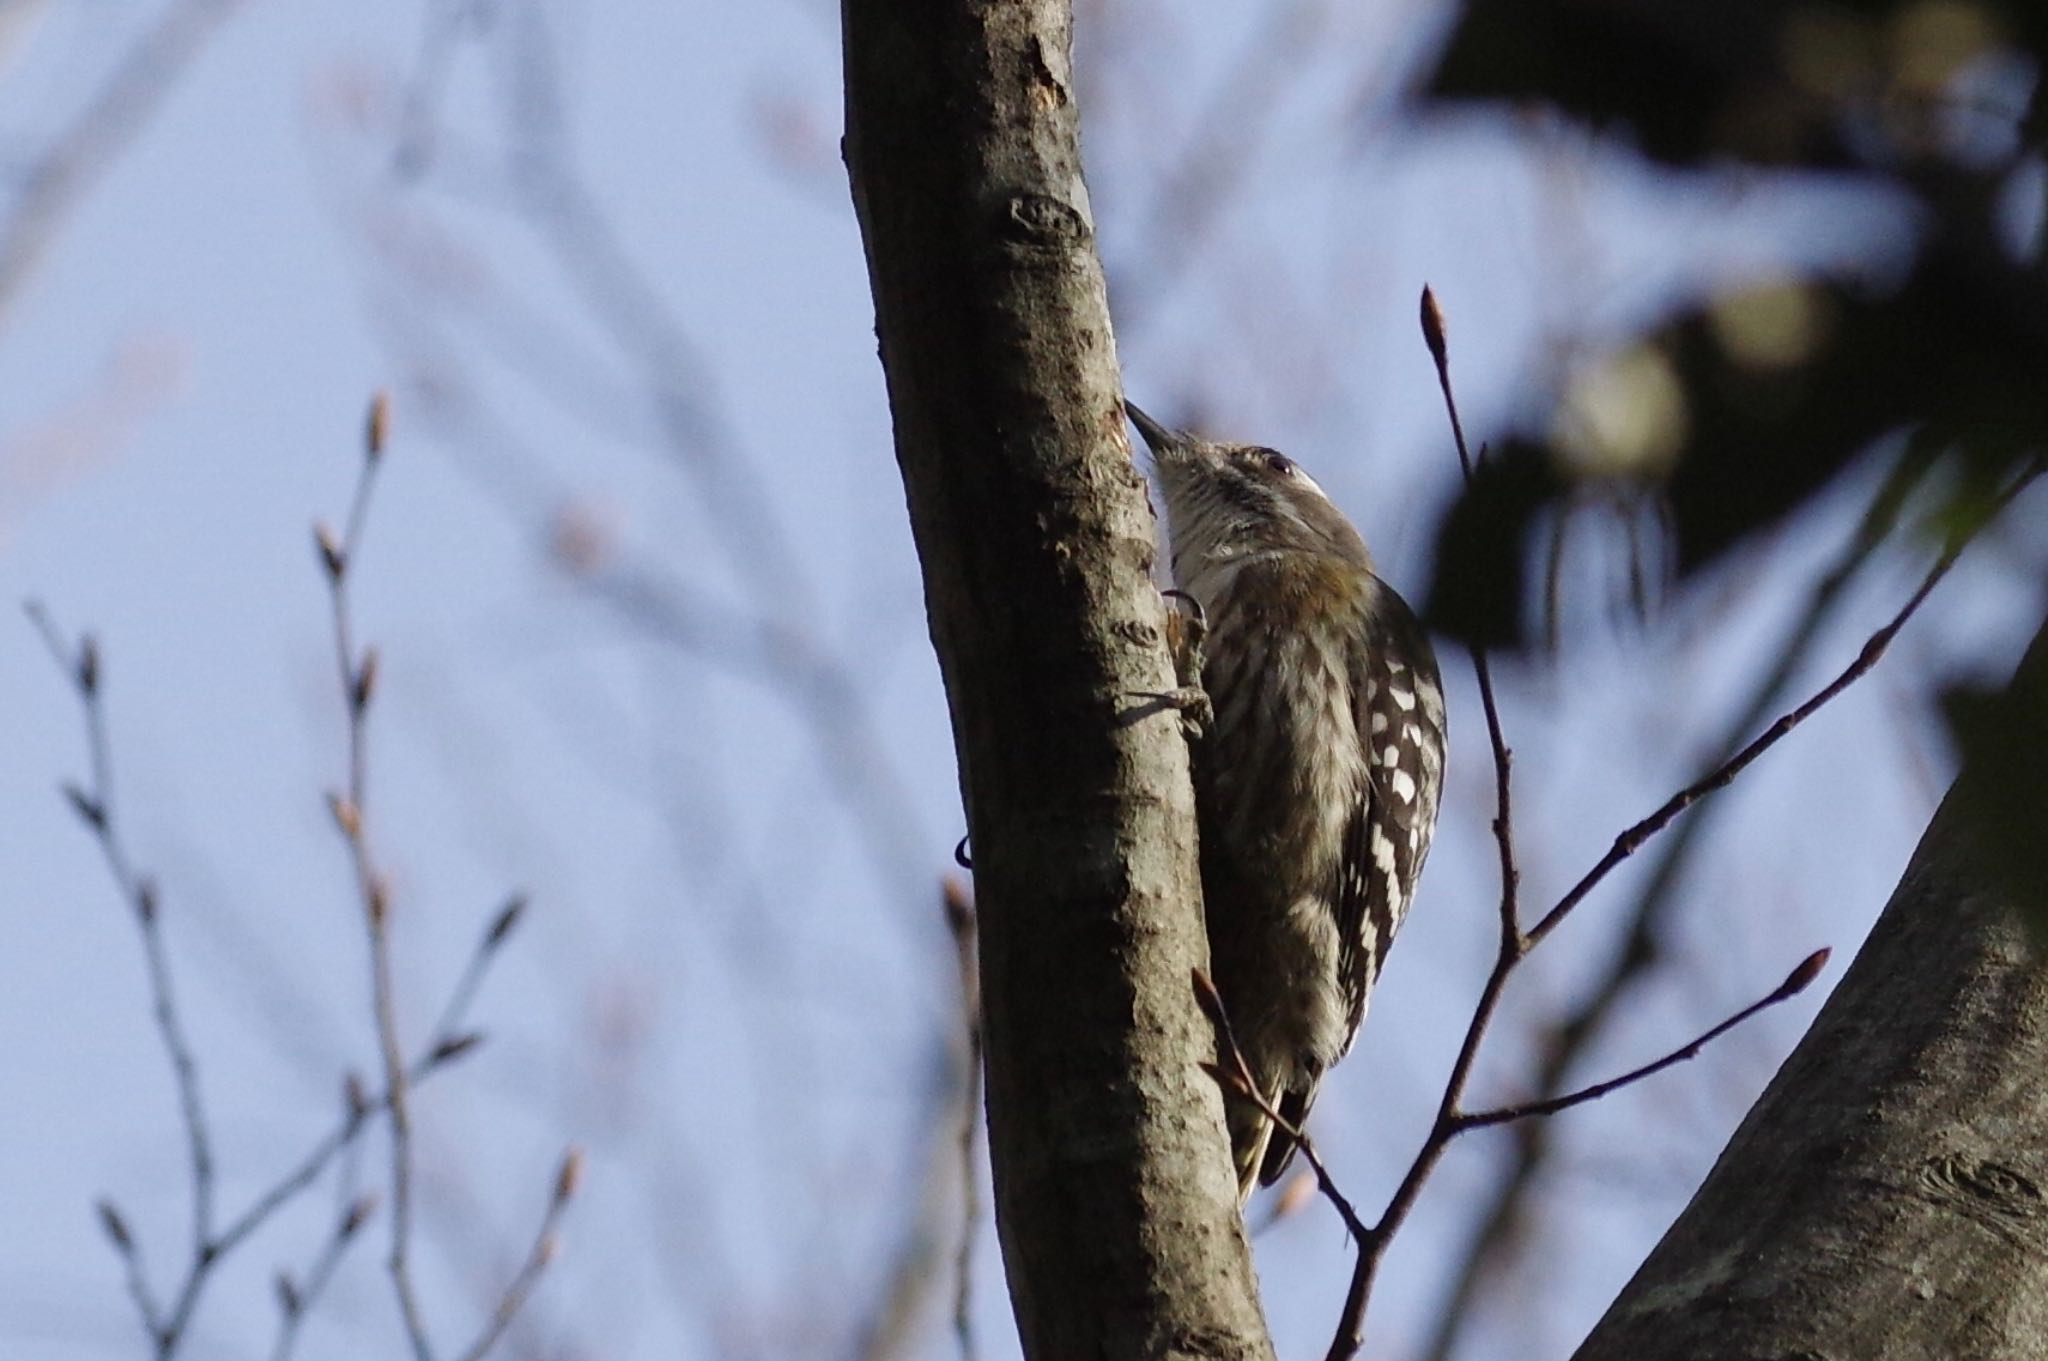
x=95, y=807
x=116, y=1229
x=1512, y=943
x=296, y=1301
x=449, y=1041
x=449, y=1031
x=1515, y=945
x=82, y=664
x=545, y=1246
x=1436, y=335
x=1721, y=776
x=1496, y=1222
x=1236, y=1079
x=179, y=1045
x=358, y=685
x=1372, y=1247
x=1795, y=983
x=447, y=1044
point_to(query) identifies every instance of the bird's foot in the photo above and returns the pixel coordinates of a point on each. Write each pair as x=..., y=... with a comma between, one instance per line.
x=1186, y=627
x=1191, y=702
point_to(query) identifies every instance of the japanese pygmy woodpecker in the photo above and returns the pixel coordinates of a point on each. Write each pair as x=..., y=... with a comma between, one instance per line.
x=1316, y=780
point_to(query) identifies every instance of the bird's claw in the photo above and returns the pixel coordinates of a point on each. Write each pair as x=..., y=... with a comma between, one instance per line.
x=1192, y=619
x=1191, y=702
x=1187, y=624
x=1187, y=627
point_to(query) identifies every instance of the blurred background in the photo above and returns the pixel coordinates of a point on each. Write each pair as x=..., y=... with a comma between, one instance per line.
x=651, y=636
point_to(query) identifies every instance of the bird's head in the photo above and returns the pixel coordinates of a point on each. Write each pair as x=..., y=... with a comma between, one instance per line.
x=1230, y=501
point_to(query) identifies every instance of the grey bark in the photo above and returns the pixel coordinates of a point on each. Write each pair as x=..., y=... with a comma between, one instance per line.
x=1114, y=1196
x=1887, y=1198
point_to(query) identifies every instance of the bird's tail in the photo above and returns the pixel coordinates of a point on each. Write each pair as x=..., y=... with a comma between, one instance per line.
x=1250, y=1132
x=1294, y=1109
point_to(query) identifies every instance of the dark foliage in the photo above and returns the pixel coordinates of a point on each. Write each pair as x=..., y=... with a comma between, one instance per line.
x=1784, y=387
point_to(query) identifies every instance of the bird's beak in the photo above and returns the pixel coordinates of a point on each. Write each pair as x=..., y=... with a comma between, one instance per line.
x=1160, y=439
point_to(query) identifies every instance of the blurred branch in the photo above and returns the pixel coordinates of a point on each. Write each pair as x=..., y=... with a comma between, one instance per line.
x=1216, y=158
x=446, y=21
x=545, y=1246
x=558, y=204
x=48, y=188
x=960, y=920
x=772, y=636
x=813, y=679
x=295, y=1300
x=95, y=807
x=952, y=1166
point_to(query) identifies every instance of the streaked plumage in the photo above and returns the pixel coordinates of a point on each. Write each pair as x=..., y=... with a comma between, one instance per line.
x=1316, y=785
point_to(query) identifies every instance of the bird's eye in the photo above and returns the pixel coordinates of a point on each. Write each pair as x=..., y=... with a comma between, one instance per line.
x=1277, y=462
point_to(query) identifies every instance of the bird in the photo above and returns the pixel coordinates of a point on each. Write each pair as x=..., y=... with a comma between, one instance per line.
x=1317, y=771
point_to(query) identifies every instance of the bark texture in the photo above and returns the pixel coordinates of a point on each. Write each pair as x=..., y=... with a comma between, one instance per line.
x=1887, y=1198
x=1114, y=1196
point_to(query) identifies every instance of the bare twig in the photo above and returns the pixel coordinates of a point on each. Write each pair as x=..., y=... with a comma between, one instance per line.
x=1235, y=1076
x=295, y=1300
x=1452, y=1120
x=1498, y=1221
x=448, y=1032
x=358, y=686
x=545, y=1246
x=94, y=804
x=447, y=1044
x=116, y=1229
x=1515, y=944
x=95, y=807
x=1795, y=983
x=1721, y=776
x=1436, y=335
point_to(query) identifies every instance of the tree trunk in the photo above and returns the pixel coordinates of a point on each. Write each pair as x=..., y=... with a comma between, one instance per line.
x=1114, y=1195
x=1887, y=1198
